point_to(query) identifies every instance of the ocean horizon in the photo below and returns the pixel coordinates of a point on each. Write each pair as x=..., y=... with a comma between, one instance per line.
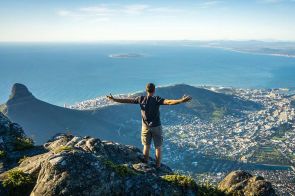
x=66, y=73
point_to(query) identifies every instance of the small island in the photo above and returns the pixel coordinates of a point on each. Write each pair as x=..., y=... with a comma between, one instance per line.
x=126, y=55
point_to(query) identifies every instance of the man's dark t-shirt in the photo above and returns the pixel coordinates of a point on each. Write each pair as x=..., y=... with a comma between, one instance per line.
x=150, y=109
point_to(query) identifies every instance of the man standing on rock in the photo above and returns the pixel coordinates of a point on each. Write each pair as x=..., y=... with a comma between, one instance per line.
x=151, y=123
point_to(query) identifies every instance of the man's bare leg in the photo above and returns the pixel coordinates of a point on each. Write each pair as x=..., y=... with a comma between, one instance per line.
x=146, y=153
x=158, y=156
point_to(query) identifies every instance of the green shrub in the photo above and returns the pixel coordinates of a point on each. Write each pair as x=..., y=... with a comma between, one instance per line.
x=3, y=108
x=180, y=180
x=2, y=154
x=122, y=170
x=209, y=190
x=18, y=183
x=23, y=143
x=63, y=148
x=22, y=159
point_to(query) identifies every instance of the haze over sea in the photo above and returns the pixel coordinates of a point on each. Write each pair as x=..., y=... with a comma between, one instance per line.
x=70, y=72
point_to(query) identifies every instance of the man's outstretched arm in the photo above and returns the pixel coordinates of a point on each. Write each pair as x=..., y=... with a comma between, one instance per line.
x=177, y=101
x=120, y=100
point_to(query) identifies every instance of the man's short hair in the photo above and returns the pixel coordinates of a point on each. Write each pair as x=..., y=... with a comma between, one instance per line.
x=150, y=88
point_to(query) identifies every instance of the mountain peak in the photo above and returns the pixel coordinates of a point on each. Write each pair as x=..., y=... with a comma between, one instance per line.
x=19, y=91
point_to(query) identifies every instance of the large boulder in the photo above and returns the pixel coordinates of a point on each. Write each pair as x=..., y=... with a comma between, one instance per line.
x=89, y=166
x=243, y=183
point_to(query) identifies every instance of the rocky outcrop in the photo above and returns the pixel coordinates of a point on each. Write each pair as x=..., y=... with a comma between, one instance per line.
x=89, y=166
x=70, y=165
x=14, y=144
x=243, y=183
x=9, y=132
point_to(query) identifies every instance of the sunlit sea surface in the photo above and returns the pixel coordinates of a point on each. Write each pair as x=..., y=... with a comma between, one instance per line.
x=62, y=73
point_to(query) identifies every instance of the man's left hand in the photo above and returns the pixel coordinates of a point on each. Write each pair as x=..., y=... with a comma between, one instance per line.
x=110, y=97
x=186, y=98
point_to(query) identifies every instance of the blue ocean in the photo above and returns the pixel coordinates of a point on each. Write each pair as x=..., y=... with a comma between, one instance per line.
x=62, y=73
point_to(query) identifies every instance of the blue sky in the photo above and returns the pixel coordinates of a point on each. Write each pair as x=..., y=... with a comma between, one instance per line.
x=90, y=20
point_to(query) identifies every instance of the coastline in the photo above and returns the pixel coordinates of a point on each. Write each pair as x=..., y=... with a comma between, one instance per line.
x=248, y=52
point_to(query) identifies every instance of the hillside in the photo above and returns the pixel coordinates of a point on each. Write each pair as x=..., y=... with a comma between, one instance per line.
x=120, y=123
x=205, y=103
x=41, y=120
x=71, y=165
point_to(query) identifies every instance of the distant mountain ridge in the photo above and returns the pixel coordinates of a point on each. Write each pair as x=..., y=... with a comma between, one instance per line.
x=206, y=102
x=120, y=123
x=42, y=120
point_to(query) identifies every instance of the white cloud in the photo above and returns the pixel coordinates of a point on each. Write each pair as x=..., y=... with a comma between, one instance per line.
x=63, y=13
x=115, y=10
x=272, y=1
x=165, y=10
x=97, y=10
x=102, y=19
x=276, y=1
x=135, y=9
x=209, y=3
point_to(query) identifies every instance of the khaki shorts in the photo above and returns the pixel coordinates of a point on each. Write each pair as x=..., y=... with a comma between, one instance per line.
x=149, y=133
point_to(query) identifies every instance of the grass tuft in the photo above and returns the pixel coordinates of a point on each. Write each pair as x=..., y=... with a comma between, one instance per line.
x=122, y=170
x=63, y=148
x=18, y=183
x=209, y=190
x=180, y=180
x=21, y=143
x=22, y=159
x=2, y=154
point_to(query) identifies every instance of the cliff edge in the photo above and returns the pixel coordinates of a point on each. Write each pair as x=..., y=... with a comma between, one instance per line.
x=70, y=165
x=89, y=166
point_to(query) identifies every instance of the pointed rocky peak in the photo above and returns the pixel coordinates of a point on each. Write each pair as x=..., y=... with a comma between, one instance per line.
x=19, y=91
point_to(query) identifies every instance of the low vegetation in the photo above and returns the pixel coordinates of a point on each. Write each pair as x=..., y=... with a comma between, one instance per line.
x=181, y=180
x=63, y=148
x=22, y=143
x=206, y=189
x=2, y=154
x=269, y=155
x=18, y=183
x=282, y=130
x=22, y=159
x=122, y=170
x=3, y=108
x=209, y=190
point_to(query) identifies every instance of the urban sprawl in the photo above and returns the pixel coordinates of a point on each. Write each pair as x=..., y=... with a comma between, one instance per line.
x=265, y=136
